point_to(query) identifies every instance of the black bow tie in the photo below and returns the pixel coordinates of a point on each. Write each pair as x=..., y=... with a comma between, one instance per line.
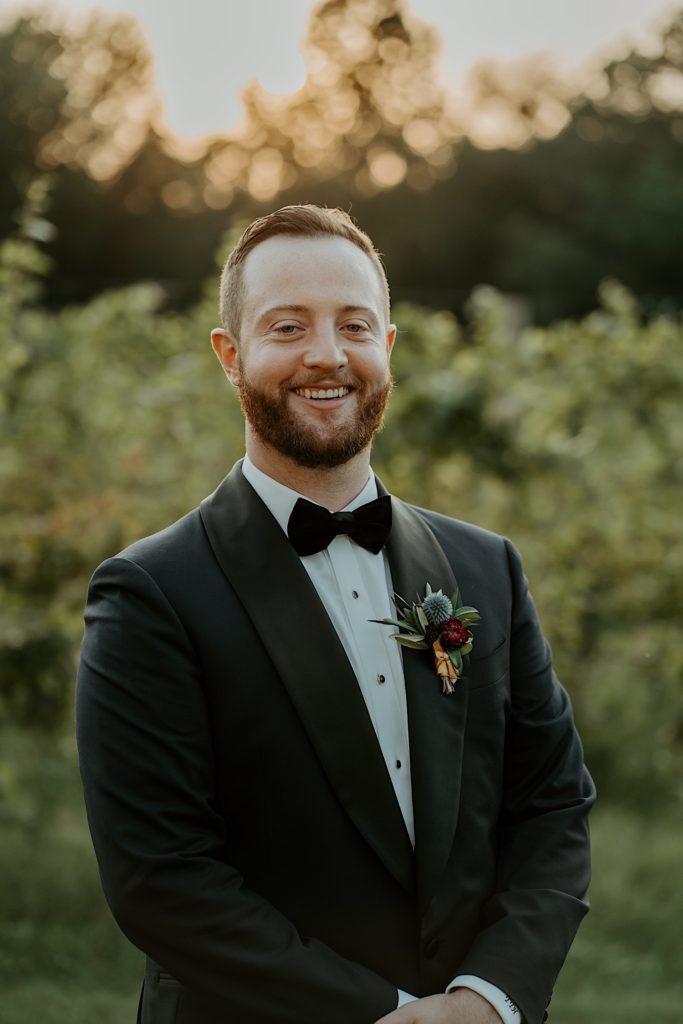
x=311, y=527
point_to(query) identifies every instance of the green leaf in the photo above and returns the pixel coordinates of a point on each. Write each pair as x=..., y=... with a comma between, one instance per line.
x=467, y=610
x=411, y=619
x=388, y=622
x=465, y=649
x=428, y=589
x=455, y=600
x=414, y=641
x=421, y=617
x=468, y=620
x=456, y=659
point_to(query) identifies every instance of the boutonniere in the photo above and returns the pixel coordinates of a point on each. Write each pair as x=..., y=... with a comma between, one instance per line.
x=438, y=622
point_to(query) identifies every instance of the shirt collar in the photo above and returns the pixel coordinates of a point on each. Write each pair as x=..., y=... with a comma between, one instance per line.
x=280, y=500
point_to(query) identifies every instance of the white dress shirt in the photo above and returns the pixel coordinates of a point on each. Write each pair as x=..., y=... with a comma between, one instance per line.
x=355, y=586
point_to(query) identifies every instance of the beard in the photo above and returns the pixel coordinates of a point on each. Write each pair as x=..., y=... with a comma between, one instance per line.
x=272, y=419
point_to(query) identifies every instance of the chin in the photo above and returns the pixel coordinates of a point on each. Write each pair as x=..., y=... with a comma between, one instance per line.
x=313, y=453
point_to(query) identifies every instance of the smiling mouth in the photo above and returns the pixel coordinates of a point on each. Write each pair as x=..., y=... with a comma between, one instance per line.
x=322, y=394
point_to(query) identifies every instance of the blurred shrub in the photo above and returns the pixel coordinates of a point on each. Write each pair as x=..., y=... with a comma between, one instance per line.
x=568, y=439
x=111, y=422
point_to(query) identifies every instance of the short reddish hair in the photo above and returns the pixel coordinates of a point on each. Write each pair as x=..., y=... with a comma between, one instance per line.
x=307, y=221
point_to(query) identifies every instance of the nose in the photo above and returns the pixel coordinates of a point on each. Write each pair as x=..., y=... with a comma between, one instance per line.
x=325, y=348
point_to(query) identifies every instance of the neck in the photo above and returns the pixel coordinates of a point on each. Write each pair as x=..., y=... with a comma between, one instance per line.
x=333, y=488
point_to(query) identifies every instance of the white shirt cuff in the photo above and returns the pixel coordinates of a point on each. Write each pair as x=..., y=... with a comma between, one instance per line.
x=403, y=998
x=501, y=1003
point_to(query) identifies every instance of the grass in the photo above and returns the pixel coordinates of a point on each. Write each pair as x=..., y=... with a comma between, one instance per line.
x=73, y=1002
x=63, y=961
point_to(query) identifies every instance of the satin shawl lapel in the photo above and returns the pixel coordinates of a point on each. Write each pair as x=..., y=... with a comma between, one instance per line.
x=294, y=627
x=436, y=722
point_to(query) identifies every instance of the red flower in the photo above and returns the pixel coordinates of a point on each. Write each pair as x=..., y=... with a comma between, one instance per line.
x=453, y=633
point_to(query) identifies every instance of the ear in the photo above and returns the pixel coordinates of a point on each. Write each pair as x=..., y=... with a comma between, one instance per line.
x=227, y=353
x=392, y=332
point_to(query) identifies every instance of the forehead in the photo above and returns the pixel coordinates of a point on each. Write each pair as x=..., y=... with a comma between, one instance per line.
x=320, y=272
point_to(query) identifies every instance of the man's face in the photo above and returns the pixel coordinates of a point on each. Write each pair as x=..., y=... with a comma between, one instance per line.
x=312, y=364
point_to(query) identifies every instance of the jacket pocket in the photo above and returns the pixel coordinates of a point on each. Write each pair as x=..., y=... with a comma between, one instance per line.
x=160, y=998
x=490, y=669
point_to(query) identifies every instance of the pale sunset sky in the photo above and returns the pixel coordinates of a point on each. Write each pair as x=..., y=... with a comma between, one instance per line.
x=207, y=50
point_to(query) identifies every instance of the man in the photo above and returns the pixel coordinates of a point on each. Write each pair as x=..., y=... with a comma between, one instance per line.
x=292, y=819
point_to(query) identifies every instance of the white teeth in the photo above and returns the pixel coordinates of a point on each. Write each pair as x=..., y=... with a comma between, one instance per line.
x=329, y=393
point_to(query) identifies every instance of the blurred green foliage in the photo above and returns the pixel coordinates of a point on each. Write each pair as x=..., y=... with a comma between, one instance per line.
x=100, y=404
x=116, y=420
x=569, y=440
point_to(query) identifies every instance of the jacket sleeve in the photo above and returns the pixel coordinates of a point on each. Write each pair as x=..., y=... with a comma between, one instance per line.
x=543, y=863
x=145, y=750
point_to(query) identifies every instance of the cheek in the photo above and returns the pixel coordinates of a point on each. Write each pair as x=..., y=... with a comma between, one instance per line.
x=270, y=368
x=376, y=370
x=371, y=361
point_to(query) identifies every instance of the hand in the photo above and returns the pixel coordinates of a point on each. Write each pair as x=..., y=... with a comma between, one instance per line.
x=460, y=1007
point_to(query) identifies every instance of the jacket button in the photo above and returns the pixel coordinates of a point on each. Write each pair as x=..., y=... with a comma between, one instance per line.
x=432, y=948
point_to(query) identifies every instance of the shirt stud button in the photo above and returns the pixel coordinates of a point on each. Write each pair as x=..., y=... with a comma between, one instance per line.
x=354, y=594
x=398, y=764
x=380, y=678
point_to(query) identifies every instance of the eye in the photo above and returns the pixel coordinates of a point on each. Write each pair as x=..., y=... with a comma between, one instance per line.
x=286, y=329
x=356, y=327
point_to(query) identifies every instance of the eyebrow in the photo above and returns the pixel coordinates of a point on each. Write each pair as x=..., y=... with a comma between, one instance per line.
x=292, y=308
x=281, y=309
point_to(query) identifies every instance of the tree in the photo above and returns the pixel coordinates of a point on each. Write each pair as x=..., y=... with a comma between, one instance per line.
x=585, y=186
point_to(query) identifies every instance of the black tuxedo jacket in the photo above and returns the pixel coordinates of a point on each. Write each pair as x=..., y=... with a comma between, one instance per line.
x=248, y=836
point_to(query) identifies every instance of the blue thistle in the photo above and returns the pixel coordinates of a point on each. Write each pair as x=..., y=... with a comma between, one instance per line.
x=437, y=607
